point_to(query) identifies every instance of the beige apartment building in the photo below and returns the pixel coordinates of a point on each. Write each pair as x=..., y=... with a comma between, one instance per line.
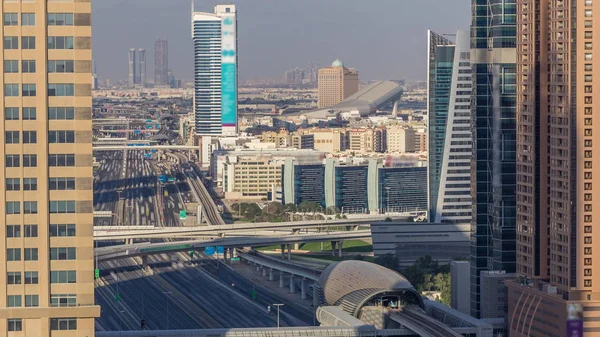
x=421, y=141
x=328, y=140
x=558, y=139
x=336, y=83
x=284, y=138
x=400, y=139
x=46, y=197
x=365, y=139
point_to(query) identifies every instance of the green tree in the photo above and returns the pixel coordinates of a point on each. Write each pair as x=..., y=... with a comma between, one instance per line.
x=252, y=211
x=388, y=260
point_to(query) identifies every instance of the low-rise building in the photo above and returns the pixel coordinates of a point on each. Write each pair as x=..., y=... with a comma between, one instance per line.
x=400, y=139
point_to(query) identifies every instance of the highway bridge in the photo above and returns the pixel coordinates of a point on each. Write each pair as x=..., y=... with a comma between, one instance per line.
x=364, y=331
x=144, y=147
x=216, y=230
x=143, y=249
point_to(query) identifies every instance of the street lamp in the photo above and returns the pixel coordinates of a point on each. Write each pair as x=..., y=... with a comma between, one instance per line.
x=278, y=305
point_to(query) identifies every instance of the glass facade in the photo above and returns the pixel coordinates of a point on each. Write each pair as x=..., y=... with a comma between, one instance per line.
x=309, y=184
x=401, y=189
x=351, y=189
x=440, y=84
x=493, y=241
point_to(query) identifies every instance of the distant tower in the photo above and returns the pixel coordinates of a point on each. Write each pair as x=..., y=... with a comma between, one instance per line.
x=94, y=76
x=161, y=62
x=215, y=71
x=132, y=66
x=141, y=78
x=336, y=83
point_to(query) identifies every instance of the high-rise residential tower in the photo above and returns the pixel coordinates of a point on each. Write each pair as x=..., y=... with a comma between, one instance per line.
x=132, y=67
x=558, y=293
x=449, y=111
x=336, y=83
x=141, y=67
x=46, y=195
x=161, y=62
x=215, y=71
x=493, y=170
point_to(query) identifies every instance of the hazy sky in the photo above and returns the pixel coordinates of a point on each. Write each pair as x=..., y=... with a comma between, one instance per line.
x=383, y=39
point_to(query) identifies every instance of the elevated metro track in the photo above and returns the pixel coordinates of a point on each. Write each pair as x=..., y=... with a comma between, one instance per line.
x=143, y=147
x=142, y=249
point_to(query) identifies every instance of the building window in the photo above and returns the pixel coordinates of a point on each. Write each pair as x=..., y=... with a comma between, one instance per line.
x=29, y=184
x=63, y=276
x=30, y=160
x=61, y=137
x=61, y=66
x=28, y=42
x=11, y=90
x=63, y=300
x=12, y=160
x=61, y=184
x=13, y=231
x=29, y=137
x=30, y=231
x=61, y=89
x=15, y=324
x=62, y=206
x=11, y=66
x=30, y=207
x=62, y=230
x=28, y=66
x=13, y=277
x=13, y=184
x=11, y=42
x=60, y=19
x=13, y=254
x=63, y=324
x=11, y=114
x=31, y=254
x=61, y=160
x=29, y=113
x=63, y=253
x=11, y=19
x=587, y=283
x=60, y=42
x=11, y=137
x=32, y=300
x=61, y=113
x=31, y=277
x=13, y=207
x=14, y=301
x=28, y=19
x=29, y=90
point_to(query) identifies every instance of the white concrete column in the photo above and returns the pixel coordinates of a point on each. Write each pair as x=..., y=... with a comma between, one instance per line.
x=264, y=272
x=271, y=276
x=281, y=284
x=340, y=245
x=315, y=297
x=289, y=247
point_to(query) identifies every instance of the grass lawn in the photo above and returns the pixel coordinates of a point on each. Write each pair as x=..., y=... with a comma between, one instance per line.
x=357, y=246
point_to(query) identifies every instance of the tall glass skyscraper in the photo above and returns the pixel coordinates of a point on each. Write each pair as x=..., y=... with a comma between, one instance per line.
x=493, y=57
x=215, y=71
x=449, y=114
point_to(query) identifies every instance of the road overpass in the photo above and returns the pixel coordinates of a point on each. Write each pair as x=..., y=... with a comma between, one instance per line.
x=144, y=147
x=143, y=249
x=217, y=230
x=307, y=331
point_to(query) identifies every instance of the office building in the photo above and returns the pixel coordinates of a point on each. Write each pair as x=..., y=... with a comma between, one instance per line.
x=215, y=71
x=449, y=111
x=459, y=284
x=346, y=187
x=132, y=67
x=251, y=177
x=46, y=192
x=493, y=184
x=161, y=62
x=137, y=67
x=494, y=293
x=303, y=183
x=401, y=189
x=336, y=83
x=556, y=260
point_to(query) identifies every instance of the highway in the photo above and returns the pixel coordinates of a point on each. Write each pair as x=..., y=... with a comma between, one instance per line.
x=140, y=202
x=179, y=294
x=106, y=183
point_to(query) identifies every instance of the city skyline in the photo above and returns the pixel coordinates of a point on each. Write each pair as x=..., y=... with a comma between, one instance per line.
x=397, y=54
